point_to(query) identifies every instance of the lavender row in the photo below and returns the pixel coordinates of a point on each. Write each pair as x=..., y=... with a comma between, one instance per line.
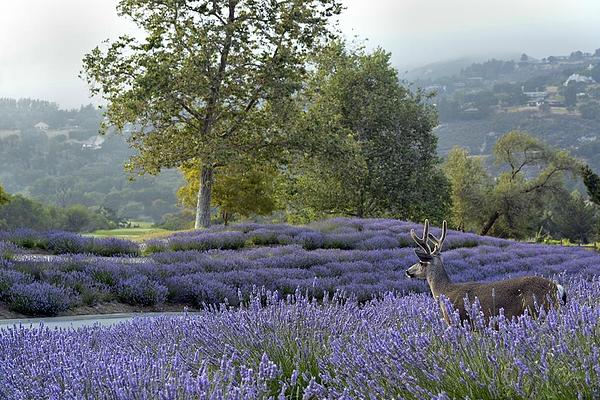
x=293, y=348
x=58, y=242
x=199, y=278
x=337, y=233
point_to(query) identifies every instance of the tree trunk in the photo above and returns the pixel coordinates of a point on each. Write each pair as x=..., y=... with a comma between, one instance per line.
x=225, y=216
x=204, y=194
x=488, y=225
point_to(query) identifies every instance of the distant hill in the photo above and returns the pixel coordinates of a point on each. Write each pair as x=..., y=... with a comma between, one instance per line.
x=580, y=136
x=56, y=156
x=447, y=68
x=438, y=69
x=556, y=98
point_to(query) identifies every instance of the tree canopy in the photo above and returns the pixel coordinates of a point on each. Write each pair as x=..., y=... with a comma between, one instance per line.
x=240, y=190
x=574, y=218
x=210, y=81
x=373, y=150
x=530, y=172
x=471, y=189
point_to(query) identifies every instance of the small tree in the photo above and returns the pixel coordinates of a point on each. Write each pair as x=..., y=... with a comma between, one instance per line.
x=595, y=72
x=570, y=93
x=576, y=219
x=590, y=110
x=471, y=189
x=4, y=197
x=243, y=190
x=211, y=80
x=532, y=170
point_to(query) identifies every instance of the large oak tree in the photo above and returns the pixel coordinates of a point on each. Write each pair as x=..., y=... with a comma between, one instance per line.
x=211, y=80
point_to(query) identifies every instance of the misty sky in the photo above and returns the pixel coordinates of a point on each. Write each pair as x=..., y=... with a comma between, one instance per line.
x=42, y=42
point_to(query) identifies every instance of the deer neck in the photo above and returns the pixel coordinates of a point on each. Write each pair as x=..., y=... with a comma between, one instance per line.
x=437, y=278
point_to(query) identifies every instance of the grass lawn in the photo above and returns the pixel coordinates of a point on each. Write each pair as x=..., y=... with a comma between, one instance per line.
x=566, y=242
x=140, y=232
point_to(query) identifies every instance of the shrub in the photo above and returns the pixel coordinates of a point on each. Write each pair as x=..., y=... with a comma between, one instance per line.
x=113, y=247
x=58, y=242
x=27, y=238
x=39, y=299
x=208, y=241
x=66, y=243
x=154, y=246
x=199, y=290
x=378, y=242
x=7, y=250
x=264, y=237
x=10, y=277
x=140, y=290
x=310, y=240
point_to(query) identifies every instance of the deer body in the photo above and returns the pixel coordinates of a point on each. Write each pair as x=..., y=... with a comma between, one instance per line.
x=515, y=296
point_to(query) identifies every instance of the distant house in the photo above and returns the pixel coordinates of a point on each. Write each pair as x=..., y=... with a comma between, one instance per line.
x=555, y=103
x=578, y=78
x=535, y=98
x=42, y=126
x=93, y=143
x=587, y=139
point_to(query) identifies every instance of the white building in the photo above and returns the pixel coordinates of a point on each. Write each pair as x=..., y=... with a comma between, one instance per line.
x=42, y=126
x=578, y=78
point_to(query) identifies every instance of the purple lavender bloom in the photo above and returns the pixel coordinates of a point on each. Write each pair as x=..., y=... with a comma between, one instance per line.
x=139, y=290
x=8, y=278
x=292, y=347
x=40, y=298
x=310, y=240
x=7, y=250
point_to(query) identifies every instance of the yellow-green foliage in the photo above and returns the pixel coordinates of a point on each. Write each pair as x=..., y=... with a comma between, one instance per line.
x=242, y=190
x=4, y=197
x=471, y=186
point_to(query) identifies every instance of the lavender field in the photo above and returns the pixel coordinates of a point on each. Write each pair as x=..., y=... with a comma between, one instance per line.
x=293, y=348
x=317, y=312
x=362, y=258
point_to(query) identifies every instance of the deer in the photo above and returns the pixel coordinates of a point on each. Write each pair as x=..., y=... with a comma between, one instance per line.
x=514, y=296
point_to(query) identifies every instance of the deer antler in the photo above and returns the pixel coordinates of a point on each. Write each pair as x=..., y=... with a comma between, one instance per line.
x=422, y=242
x=437, y=243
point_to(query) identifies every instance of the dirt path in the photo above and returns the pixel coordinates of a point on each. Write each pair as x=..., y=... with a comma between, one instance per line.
x=82, y=320
x=52, y=258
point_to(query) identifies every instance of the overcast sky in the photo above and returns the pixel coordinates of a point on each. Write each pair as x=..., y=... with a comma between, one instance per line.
x=42, y=42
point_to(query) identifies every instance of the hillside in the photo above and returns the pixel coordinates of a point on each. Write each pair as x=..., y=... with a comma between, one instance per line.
x=580, y=136
x=57, y=157
x=556, y=98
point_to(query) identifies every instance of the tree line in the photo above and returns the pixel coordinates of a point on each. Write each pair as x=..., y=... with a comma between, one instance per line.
x=264, y=93
x=263, y=107
x=529, y=197
x=266, y=110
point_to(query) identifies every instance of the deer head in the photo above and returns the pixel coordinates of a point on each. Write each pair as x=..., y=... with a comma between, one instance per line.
x=429, y=257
